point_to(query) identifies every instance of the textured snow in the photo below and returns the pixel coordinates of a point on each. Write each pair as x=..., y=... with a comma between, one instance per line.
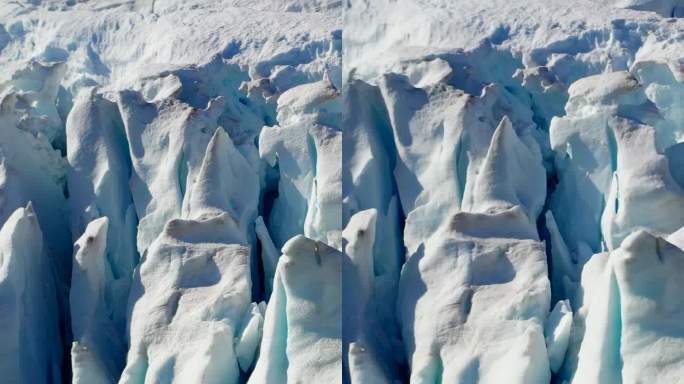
x=118, y=42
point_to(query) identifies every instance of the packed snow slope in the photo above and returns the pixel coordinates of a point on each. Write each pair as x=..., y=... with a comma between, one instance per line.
x=155, y=158
x=513, y=191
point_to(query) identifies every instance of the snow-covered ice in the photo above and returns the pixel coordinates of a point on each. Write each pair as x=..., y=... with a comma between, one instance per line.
x=629, y=327
x=302, y=326
x=534, y=148
x=155, y=143
x=327, y=191
x=306, y=147
x=30, y=350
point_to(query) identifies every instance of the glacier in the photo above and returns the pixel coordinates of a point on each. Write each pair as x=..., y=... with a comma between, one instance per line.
x=302, y=327
x=327, y=191
x=31, y=347
x=512, y=190
x=170, y=191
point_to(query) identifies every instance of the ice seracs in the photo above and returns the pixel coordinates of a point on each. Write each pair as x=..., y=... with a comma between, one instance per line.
x=208, y=256
x=497, y=293
x=31, y=347
x=99, y=347
x=97, y=177
x=134, y=132
x=472, y=184
x=184, y=328
x=630, y=330
x=642, y=183
x=372, y=218
x=225, y=182
x=214, y=204
x=616, y=158
x=303, y=323
x=37, y=87
x=366, y=350
x=472, y=115
x=557, y=330
x=306, y=149
x=31, y=169
x=167, y=140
